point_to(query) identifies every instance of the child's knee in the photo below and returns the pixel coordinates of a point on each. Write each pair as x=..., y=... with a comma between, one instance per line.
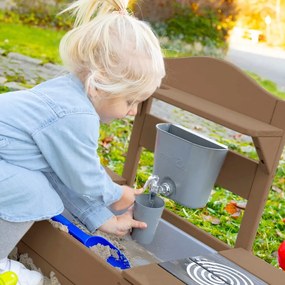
x=28, y=195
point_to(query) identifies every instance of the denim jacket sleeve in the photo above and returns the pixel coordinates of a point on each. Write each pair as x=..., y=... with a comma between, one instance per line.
x=69, y=144
x=92, y=216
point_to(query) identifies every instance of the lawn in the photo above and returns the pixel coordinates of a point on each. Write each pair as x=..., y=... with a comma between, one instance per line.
x=31, y=41
x=215, y=217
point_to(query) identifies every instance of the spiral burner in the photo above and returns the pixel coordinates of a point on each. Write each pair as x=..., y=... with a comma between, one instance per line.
x=207, y=272
x=211, y=269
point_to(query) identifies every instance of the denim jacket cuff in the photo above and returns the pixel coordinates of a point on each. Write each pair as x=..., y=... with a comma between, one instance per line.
x=96, y=217
x=117, y=194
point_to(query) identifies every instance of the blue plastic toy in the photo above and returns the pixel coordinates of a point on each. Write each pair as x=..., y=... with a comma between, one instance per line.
x=116, y=260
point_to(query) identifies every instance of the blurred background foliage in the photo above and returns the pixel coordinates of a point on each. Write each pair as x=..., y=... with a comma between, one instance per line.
x=265, y=16
x=40, y=13
x=189, y=22
x=192, y=26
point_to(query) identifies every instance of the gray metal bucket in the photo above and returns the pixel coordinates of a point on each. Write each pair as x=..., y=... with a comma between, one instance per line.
x=188, y=160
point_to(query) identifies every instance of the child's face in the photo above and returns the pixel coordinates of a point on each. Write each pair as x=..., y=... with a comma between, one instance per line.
x=117, y=108
x=110, y=109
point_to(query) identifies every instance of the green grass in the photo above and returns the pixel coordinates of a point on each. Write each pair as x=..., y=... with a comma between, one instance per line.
x=4, y=89
x=31, y=41
x=267, y=84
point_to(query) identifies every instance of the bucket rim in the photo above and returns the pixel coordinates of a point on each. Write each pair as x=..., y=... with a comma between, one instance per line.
x=223, y=147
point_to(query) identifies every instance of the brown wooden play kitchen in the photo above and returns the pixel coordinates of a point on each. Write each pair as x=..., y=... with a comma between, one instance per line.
x=217, y=91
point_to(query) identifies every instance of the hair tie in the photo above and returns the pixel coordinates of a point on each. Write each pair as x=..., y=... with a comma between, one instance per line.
x=121, y=11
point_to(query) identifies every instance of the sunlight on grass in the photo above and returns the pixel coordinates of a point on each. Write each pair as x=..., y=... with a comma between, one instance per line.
x=268, y=85
x=31, y=41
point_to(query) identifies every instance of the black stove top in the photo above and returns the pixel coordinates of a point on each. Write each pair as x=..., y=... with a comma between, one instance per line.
x=212, y=269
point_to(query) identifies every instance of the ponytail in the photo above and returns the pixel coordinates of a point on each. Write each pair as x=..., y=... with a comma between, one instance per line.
x=112, y=50
x=85, y=10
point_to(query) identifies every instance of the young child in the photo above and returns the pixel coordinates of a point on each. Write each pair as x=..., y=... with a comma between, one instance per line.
x=49, y=134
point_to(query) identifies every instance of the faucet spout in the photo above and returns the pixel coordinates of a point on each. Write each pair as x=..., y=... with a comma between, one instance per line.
x=166, y=188
x=152, y=184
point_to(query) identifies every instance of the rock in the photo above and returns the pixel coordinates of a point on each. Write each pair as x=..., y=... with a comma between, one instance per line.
x=53, y=67
x=2, y=80
x=14, y=86
x=24, y=58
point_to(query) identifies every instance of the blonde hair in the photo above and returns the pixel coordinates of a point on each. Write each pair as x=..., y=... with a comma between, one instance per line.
x=116, y=52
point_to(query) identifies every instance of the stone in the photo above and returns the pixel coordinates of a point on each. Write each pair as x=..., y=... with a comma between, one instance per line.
x=14, y=86
x=3, y=80
x=54, y=67
x=20, y=57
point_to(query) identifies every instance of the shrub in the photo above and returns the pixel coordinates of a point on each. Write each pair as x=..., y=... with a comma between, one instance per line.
x=193, y=28
x=39, y=13
x=207, y=24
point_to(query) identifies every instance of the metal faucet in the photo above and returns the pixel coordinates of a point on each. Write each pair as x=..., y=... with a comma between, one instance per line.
x=166, y=188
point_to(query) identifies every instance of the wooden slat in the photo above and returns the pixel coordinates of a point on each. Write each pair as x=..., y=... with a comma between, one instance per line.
x=278, y=119
x=216, y=113
x=222, y=83
x=254, y=209
x=266, y=149
x=254, y=265
x=134, y=150
x=41, y=263
x=151, y=274
x=148, y=134
x=72, y=259
x=237, y=174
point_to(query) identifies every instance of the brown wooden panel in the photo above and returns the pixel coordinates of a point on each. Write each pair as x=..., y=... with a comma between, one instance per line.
x=148, y=134
x=237, y=174
x=256, y=266
x=41, y=263
x=254, y=209
x=217, y=113
x=278, y=119
x=134, y=150
x=69, y=256
x=266, y=149
x=151, y=274
x=222, y=83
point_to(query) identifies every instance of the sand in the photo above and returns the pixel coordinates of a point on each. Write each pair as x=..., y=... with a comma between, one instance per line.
x=104, y=251
x=135, y=253
x=28, y=262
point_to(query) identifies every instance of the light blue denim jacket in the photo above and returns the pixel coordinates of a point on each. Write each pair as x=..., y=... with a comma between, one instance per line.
x=48, y=155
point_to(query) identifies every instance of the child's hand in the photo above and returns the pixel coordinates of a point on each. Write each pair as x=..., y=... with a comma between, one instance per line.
x=121, y=225
x=127, y=199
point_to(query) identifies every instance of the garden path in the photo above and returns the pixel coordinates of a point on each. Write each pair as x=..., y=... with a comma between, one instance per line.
x=267, y=62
